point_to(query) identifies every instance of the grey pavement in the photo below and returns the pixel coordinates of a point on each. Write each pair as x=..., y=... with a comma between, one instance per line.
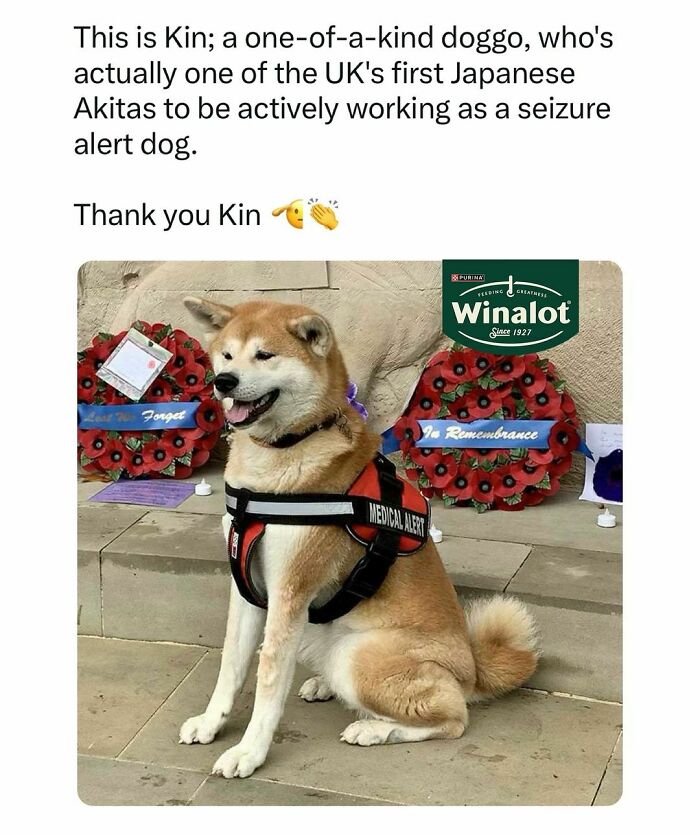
x=528, y=748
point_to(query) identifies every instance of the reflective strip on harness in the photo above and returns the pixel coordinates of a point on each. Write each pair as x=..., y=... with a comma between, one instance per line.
x=294, y=508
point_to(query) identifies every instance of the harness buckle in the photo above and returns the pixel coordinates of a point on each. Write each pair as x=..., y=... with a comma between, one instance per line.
x=370, y=572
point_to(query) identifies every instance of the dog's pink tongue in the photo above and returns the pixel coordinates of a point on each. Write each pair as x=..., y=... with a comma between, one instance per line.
x=238, y=412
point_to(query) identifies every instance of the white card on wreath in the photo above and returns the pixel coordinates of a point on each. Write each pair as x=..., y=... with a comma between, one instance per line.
x=134, y=364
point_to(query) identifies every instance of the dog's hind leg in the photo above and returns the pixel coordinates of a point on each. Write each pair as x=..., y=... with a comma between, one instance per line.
x=411, y=700
x=243, y=634
x=315, y=689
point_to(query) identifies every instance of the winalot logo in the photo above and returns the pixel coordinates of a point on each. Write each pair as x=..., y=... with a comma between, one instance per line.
x=514, y=307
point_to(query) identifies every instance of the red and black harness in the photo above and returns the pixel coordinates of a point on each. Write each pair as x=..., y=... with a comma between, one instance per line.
x=380, y=510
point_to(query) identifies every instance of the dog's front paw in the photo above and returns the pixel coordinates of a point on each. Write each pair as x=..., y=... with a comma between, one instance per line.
x=199, y=729
x=238, y=762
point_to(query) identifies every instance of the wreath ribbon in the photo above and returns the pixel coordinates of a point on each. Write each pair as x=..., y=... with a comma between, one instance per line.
x=139, y=416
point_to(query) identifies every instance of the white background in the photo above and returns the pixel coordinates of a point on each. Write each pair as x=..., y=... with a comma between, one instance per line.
x=622, y=190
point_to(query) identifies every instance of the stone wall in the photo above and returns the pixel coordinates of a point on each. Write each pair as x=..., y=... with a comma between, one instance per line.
x=386, y=315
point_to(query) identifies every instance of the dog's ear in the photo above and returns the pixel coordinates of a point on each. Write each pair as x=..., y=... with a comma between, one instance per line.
x=315, y=331
x=211, y=313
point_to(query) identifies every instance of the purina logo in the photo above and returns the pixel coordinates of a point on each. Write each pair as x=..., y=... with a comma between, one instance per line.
x=513, y=307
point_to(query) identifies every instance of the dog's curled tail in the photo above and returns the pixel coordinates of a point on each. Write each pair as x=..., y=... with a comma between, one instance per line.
x=504, y=642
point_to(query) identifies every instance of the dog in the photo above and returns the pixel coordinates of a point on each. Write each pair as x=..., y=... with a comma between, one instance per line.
x=408, y=659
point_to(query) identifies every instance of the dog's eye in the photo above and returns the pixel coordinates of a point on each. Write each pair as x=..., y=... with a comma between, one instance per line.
x=263, y=355
x=227, y=356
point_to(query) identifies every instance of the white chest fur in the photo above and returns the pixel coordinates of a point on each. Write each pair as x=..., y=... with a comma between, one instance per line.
x=273, y=553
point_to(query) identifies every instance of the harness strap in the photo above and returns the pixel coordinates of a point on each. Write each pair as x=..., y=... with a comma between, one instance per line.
x=370, y=572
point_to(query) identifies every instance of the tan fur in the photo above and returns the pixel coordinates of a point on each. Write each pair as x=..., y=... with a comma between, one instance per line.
x=421, y=660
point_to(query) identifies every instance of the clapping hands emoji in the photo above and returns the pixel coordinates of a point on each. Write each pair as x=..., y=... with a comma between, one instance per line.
x=324, y=215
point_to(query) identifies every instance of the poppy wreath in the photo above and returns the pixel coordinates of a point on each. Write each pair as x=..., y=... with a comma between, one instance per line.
x=463, y=384
x=174, y=453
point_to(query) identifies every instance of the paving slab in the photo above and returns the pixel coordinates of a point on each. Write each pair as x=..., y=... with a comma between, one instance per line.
x=582, y=652
x=610, y=790
x=167, y=579
x=563, y=521
x=257, y=792
x=106, y=782
x=554, y=574
x=120, y=686
x=526, y=748
x=483, y=564
x=89, y=594
x=97, y=527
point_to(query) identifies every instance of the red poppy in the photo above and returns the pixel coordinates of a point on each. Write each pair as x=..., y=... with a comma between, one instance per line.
x=459, y=409
x=560, y=466
x=440, y=470
x=181, y=355
x=426, y=403
x=157, y=454
x=505, y=389
x=528, y=473
x=532, y=496
x=113, y=456
x=482, y=484
x=190, y=377
x=92, y=442
x=112, y=397
x=540, y=456
x=459, y=487
x=438, y=358
x=407, y=430
x=209, y=415
x=178, y=442
x=412, y=473
x=551, y=371
x=500, y=504
x=533, y=380
x=434, y=380
x=135, y=462
x=483, y=403
x=506, y=485
x=567, y=404
x=563, y=438
x=182, y=471
x=479, y=363
x=553, y=488
x=508, y=406
x=208, y=441
x=508, y=368
x=102, y=348
x=199, y=456
x=481, y=455
x=161, y=391
x=87, y=383
x=455, y=369
x=422, y=455
x=545, y=404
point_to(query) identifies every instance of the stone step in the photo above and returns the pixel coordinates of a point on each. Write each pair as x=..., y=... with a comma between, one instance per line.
x=162, y=575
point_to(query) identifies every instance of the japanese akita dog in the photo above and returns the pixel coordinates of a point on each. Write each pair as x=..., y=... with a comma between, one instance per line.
x=408, y=659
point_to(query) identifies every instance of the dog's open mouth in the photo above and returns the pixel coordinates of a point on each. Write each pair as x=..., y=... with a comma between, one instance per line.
x=244, y=412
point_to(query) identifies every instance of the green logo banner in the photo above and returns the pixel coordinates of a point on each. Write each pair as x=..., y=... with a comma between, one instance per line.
x=510, y=307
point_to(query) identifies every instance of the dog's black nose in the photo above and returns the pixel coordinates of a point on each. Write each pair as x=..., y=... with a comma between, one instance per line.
x=225, y=382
